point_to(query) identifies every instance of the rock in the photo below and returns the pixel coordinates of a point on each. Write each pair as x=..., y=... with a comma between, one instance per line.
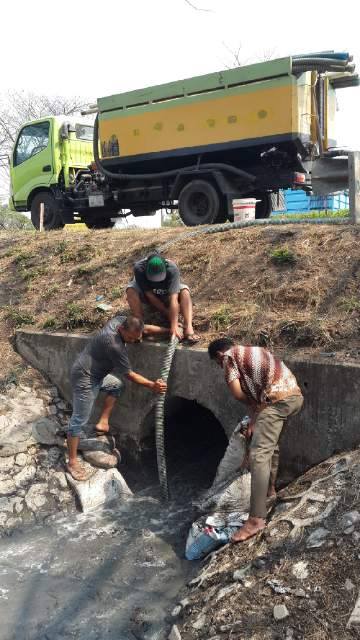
x=280, y=612
x=299, y=593
x=53, y=392
x=101, y=459
x=21, y=459
x=317, y=538
x=13, y=522
x=3, y=518
x=240, y=574
x=15, y=422
x=60, y=404
x=26, y=389
x=25, y=476
x=349, y=530
x=259, y=563
x=18, y=505
x=185, y=602
x=289, y=634
x=356, y=536
x=52, y=410
x=349, y=586
x=6, y=464
x=176, y=611
x=102, y=488
x=300, y=571
x=277, y=587
x=354, y=620
x=174, y=633
x=348, y=519
x=54, y=455
x=45, y=431
x=199, y=622
x=97, y=443
x=64, y=496
x=225, y=591
x=7, y=487
x=6, y=504
x=60, y=479
x=35, y=497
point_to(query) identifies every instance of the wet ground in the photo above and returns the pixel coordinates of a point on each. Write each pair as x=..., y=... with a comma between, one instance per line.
x=113, y=574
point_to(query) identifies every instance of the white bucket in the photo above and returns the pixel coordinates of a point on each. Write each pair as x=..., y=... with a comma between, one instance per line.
x=244, y=209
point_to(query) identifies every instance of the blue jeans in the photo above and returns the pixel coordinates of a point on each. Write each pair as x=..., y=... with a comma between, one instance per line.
x=85, y=392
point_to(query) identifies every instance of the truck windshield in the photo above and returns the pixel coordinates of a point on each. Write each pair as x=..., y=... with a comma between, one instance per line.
x=84, y=131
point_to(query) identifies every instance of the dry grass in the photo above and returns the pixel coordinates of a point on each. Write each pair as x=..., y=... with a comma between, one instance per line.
x=308, y=302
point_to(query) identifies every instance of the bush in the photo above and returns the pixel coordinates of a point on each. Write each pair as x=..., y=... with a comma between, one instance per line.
x=17, y=317
x=282, y=255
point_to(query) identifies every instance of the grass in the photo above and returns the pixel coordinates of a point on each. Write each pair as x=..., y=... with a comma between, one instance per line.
x=313, y=215
x=50, y=291
x=17, y=317
x=221, y=319
x=116, y=292
x=50, y=323
x=282, y=255
x=350, y=304
x=23, y=257
x=75, y=316
x=76, y=253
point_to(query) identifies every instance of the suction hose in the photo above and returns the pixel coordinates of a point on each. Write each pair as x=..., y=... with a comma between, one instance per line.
x=211, y=166
x=159, y=420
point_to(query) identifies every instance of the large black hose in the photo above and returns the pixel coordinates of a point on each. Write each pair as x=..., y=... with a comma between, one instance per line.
x=211, y=166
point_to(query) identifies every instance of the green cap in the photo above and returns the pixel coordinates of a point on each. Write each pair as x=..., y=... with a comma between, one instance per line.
x=156, y=269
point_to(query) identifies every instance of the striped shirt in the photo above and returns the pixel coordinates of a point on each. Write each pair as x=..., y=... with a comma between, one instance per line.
x=263, y=377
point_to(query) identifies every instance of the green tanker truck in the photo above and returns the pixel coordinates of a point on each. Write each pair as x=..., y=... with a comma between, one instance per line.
x=192, y=145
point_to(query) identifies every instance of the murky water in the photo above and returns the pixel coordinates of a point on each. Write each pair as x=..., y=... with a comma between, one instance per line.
x=111, y=574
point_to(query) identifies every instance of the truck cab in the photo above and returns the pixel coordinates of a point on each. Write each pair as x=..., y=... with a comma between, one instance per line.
x=47, y=158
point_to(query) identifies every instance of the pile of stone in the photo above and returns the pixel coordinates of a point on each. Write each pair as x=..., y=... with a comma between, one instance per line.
x=33, y=482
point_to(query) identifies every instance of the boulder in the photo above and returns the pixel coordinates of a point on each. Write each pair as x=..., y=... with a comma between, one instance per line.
x=45, y=431
x=101, y=489
x=26, y=475
x=101, y=459
x=35, y=497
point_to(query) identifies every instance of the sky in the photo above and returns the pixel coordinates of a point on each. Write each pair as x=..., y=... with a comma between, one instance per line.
x=95, y=49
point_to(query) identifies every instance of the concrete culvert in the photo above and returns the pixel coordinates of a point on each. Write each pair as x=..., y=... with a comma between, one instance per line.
x=194, y=442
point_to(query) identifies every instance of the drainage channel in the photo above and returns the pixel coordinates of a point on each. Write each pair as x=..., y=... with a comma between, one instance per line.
x=114, y=573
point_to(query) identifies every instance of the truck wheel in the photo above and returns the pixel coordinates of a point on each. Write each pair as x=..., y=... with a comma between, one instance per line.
x=263, y=207
x=101, y=223
x=52, y=217
x=199, y=203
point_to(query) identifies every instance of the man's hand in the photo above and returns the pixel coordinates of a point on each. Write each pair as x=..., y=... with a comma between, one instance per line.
x=250, y=430
x=159, y=386
x=176, y=331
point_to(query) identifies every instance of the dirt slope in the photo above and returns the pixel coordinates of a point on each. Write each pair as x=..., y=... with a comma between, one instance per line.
x=289, y=288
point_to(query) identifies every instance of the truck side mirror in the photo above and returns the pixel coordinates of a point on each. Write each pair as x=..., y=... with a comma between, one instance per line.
x=64, y=131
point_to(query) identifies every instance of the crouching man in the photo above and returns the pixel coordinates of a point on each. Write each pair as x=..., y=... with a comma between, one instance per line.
x=100, y=367
x=270, y=391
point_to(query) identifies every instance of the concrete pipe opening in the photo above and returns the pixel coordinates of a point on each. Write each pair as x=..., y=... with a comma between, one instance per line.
x=194, y=442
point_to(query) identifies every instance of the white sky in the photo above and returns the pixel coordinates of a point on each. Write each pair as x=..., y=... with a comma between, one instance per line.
x=94, y=49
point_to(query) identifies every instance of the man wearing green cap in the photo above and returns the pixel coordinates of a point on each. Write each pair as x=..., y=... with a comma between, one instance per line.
x=157, y=282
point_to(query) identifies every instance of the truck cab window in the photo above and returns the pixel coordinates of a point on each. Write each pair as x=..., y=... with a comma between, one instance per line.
x=32, y=139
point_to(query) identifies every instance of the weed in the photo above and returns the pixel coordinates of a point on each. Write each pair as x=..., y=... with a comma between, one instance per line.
x=61, y=248
x=71, y=254
x=17, y=317
x=221, y=319
x=282, y=255
x=50, y=323
x=350, y=304
x=75, y=315
x=115, y=293
x=49, y=292
x=28, y=274
x=12, y=377
x=23, y=257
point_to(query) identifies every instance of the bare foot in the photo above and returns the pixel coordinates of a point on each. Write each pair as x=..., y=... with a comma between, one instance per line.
x=251, y=527
x=77, y=472
x=102, y=427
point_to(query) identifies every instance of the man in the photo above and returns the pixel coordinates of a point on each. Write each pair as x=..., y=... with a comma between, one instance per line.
x=270, y=390
x=157, y=282
x=104, y=353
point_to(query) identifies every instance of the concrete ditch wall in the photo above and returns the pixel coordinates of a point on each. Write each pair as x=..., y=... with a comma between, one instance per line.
x=329, y=422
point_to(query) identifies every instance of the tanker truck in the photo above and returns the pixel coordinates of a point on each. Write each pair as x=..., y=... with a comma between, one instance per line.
x=192, y=145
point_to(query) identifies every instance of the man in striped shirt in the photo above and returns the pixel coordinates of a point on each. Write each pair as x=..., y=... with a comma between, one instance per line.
x=264, y=383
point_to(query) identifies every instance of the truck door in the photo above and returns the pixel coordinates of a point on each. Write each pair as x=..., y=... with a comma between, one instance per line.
x=32, y=161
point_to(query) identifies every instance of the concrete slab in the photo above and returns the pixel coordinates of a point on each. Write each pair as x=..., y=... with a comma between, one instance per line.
x=103, y=488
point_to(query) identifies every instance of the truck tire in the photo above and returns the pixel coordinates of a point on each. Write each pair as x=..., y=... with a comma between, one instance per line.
x=52, y=217
x=100, y=223
x=263, y=207
x=198, y=203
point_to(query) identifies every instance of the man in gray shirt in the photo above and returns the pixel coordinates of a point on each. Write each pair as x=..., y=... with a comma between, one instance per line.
x=157, y=283
x=104, y=353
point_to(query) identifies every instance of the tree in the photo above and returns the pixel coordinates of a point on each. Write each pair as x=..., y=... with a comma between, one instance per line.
x=17, y=107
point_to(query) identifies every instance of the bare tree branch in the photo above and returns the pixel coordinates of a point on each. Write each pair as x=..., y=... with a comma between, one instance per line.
x=193, y=6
